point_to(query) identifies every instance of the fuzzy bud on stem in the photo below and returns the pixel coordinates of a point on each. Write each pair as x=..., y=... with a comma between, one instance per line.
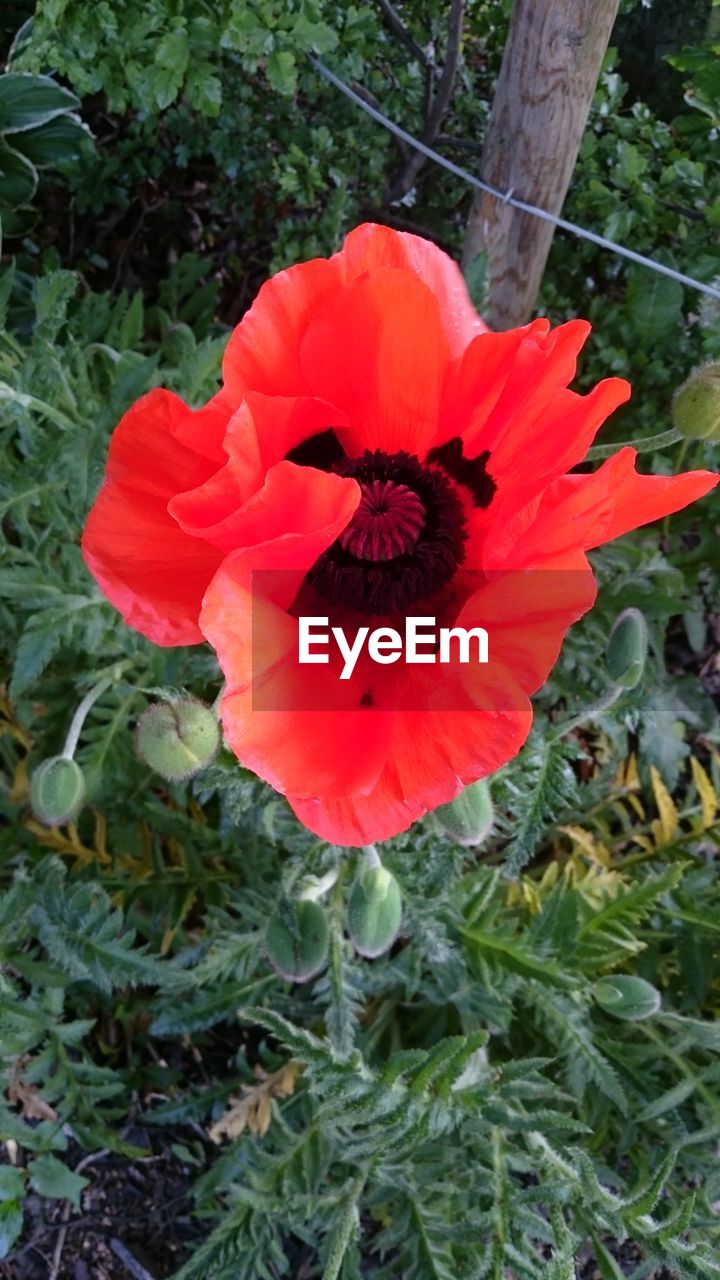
x=468, y=818
x=297, y=939
x=57, y=791
x=696, y=405
x=374, y=908
x=627, y=648
x=177, y=739
x=57, y=787
x=627, y=997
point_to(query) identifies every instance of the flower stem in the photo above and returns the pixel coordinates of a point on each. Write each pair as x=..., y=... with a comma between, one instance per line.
x=316, y=888
x=91, y=697
x=372, y=857
x=589, y=712
x=645, y=445
x=38, y=406
x=682, y=454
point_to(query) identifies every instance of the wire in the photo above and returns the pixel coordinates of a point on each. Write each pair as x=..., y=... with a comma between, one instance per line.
x=507, y=197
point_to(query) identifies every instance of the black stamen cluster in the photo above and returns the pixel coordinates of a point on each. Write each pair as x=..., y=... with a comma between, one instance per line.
x=393, y=586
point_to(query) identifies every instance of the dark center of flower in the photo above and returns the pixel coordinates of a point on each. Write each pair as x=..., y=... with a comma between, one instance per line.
x=405, y=541
x=386, y=524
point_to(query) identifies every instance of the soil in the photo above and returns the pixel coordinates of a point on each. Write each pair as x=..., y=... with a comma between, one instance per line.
x=135, y=1218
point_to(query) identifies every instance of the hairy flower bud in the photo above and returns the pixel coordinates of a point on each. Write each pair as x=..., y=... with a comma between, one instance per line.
x=627, y=997
x=177, y=739
x=57, y=790
x=374, y=911
x=696, y=405
x=297, y=939
x=627, y=648
x=469, y=817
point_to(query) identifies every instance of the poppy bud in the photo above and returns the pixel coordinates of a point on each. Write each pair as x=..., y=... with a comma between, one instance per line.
x=696, y=405
x=468, y=818
x=374, y=911
x=627, y=997
x=297, y=939
x=627, y=648
x=177, y=739
x=57, y=790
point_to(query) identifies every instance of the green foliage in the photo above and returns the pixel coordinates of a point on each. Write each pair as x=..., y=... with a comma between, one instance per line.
x=652, y=184
x=291, y=164
x=545, y=792
x=39, y=128
x=531, y=1070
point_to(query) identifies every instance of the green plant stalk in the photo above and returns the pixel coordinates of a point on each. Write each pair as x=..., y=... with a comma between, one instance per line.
x=709, y=1098
x=679, y=461
x=91, y=697
x=346, y=1227
x=648, y=444
x=589, y=712
x=317, y=888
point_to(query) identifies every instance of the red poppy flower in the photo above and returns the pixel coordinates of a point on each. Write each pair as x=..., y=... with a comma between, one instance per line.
x=374, y=453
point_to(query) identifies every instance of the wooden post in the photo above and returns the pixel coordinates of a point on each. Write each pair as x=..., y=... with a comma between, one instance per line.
x=549, y=71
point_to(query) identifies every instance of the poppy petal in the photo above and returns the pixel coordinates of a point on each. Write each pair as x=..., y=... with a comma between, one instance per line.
x=377, y=351
x=583, y=511
x=418, y=774
x=637, y=500
x=431, y=755
x=371, y=246
x=360, y=818
x=204, y=429
x=263, y=351
x=255, y=638
x=510, y=391
x=259, y=435
x=152, y=571
x=475, y=382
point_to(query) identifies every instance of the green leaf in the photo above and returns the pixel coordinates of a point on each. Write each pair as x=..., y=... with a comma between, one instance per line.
x=476, y=279
x=204, y=89
x=548, y=789
x=12, y=1182
x=11, y=1224
x=60, y=139
x=19, y=222
x=344, y=1228
x=90, y=942
x=281, y=71
x=133, y=323
x=51, y=1178
x=52, y=295
x=7, y=279
x=171, y=62
x=631, y=165
x=609, y=1268
x=27, y=101
x=668, y=1101
x=653, y=304
x=319, y=37
x=44, y=634
x=514, y=955
x=18, y=178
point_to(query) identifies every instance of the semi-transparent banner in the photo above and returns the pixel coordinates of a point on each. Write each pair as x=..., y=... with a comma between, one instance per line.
x=488, y=643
